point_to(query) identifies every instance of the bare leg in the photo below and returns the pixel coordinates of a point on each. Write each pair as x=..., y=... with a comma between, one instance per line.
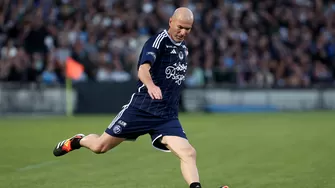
x=100, y=144
x=187, y=155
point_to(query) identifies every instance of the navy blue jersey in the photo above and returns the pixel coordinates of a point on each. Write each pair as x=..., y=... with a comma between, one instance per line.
x=168, y=61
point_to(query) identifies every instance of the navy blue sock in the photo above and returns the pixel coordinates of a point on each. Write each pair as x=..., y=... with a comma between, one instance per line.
x=195, y=185
x=75, y=143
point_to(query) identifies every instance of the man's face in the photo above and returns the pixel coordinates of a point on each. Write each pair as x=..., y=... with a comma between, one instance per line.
x=179, y=29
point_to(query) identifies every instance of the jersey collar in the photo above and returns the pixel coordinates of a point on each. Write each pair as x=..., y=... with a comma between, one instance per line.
x=174, y=42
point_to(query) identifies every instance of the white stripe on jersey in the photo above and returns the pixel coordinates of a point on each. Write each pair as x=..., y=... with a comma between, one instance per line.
x=118, y=116
x=124, y=108
x=139, y=89
x=159, y=39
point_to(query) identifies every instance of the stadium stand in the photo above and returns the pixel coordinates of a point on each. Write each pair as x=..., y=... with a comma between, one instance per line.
x=283, y=43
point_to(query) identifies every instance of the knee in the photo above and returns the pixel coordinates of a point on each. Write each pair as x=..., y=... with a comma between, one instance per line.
x=100, y=144
x=188, y=153
x=99, y=149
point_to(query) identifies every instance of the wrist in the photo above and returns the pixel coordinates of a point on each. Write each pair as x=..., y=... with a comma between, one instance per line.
x=149, y=85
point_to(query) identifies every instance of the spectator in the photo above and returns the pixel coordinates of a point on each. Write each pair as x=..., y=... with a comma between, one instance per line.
x=269, y=44
x=49, y=75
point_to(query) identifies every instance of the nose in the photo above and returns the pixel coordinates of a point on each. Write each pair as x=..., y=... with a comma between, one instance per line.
x=183, y=32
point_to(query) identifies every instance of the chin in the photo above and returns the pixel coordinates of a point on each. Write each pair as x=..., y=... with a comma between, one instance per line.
x=179, y=40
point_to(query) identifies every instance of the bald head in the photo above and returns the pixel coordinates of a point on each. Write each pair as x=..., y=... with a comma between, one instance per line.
x=183, y=14
x=180, y=24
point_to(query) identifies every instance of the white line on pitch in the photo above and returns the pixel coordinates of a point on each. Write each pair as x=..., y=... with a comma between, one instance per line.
x=38, y=165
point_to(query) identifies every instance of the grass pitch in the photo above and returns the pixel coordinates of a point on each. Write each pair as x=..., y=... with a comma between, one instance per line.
x=274, y=150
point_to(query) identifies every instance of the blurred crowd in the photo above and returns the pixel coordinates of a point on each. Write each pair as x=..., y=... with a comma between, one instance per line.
x=282, y=43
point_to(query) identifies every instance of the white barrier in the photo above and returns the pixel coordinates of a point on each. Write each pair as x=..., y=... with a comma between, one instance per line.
x=33, y=100
x=281, y=99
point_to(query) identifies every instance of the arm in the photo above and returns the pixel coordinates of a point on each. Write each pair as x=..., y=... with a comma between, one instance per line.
x=145, y=77
x=149, y=54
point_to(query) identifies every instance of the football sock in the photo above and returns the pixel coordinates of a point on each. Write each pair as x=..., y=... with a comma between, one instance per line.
x=195, y=185
x=75, y=143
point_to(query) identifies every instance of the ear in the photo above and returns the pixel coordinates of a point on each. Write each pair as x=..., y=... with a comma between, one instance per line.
x=170, y=21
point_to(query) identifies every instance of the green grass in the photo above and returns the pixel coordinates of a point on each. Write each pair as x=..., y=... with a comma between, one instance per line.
x=275, y=150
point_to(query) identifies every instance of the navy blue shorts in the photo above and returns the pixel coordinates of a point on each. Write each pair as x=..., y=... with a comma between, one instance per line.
x=131, y=123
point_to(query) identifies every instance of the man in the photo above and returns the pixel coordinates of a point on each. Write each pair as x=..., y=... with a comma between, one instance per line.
x=153, y=109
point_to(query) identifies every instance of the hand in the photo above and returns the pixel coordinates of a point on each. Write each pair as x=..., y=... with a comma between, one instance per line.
x=155, y=92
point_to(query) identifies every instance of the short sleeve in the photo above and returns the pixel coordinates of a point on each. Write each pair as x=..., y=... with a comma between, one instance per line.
x=151, y=50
